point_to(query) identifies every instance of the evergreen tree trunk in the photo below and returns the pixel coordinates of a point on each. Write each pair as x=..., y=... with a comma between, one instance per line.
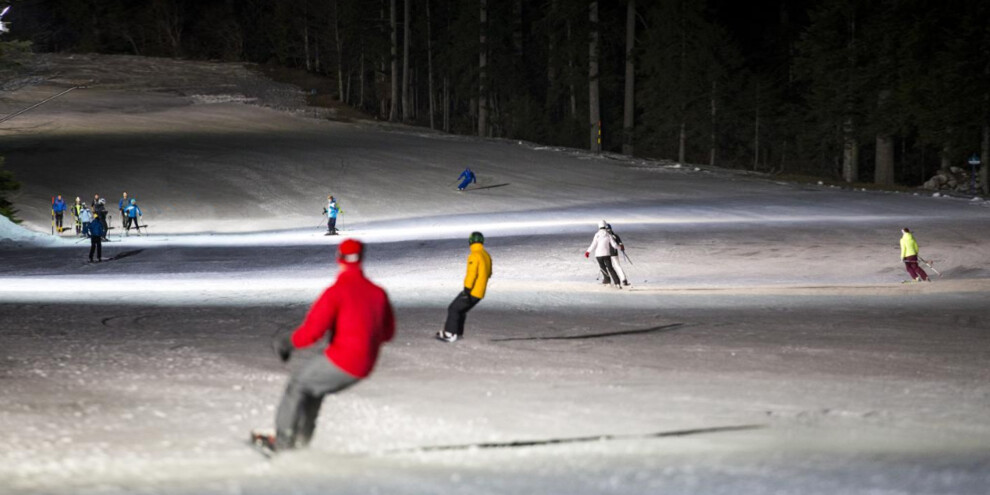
x=340, y=53
x=629, y=106
x=483, y=71
x=883, y=173
x=429, y=63
x=393, y=114
x=594, y=117
x=446, y=104
x=984, y=155
x=309, y=66
x=551, y=59
x=361, y=81
x=682, y=143
x=570, y=79
x=756, y=131
x=850, y=153
x=407, y=113
x=714, y=137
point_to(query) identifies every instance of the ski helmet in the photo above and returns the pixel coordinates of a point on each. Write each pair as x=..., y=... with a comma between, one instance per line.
x=476, y=237
x=103, y=201
x=350, y=251
x=602, y=224
x=133, y=201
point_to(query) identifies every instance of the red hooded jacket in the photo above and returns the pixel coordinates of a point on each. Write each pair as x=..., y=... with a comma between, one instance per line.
x=358, y=314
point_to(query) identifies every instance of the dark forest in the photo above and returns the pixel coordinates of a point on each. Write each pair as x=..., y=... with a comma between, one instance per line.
x=877, y=91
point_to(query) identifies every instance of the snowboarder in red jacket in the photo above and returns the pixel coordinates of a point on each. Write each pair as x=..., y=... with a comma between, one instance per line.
x=358, y=316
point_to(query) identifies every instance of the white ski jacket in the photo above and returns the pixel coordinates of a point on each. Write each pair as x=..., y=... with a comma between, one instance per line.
x=601, y=243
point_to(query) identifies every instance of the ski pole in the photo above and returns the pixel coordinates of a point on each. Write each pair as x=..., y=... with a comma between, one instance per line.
x=626, y=256
x=929, y=264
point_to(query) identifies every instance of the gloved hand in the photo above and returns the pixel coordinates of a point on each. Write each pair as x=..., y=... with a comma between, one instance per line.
x=587, y=254
x=621, y=247
x=467, y=291
x=282, y=344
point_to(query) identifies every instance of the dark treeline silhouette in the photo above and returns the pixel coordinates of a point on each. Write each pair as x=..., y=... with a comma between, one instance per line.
x=878, y=91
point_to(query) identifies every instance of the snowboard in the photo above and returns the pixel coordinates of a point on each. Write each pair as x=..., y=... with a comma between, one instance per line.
x=263, y=442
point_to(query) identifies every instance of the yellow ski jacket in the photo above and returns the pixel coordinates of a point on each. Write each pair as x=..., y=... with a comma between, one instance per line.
x=479, y=270
x=908, y=245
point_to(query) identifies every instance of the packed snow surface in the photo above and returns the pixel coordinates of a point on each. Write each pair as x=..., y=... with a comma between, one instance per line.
x=766, y=344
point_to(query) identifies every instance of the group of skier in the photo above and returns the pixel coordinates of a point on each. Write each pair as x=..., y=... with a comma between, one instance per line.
x=91, y=220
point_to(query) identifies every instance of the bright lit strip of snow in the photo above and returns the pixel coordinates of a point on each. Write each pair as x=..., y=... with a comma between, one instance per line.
x=457, y=227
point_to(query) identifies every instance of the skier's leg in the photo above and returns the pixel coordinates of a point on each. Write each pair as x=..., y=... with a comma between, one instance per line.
x=333, y=225
x=92, y=247
x=611, y=270
x=617, y=264
x=318, y=377
x=911, y=265
x=58, y=221
x=603, y=269
x=307, y=420
x=99, y=248
x=464, y=184
x=457, y=313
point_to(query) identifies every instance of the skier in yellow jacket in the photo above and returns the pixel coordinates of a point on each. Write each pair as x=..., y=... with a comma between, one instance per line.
x=909, y=254
x=479, y=270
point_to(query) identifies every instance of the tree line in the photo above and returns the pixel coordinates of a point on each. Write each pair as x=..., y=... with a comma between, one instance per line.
x=883, y=91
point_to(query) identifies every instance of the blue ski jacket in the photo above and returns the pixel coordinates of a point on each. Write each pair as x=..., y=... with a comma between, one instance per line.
x=332, y=209
x=95, y=229
x=85, y=215
x=467, y=174
x=122, y=204
x=58, y=206
x=133, y=211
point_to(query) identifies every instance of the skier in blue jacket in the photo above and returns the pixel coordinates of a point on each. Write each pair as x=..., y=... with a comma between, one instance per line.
x=58, y=208
x=468, y=177
x=331, y=211
x=133, y=212
x=95, y=232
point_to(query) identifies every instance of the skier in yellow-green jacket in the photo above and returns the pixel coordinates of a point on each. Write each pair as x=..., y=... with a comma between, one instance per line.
x=479, y=270
x=909, y=254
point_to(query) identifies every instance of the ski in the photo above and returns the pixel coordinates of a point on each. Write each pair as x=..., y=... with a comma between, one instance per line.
x=930, y=265
x=262, y=443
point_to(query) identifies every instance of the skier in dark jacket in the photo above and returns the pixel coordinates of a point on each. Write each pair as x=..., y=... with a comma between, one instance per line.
x=58, y=208
x=358, y=316
x=95, y=232
x=100, y=213
x=122, y=204
x=468, y=177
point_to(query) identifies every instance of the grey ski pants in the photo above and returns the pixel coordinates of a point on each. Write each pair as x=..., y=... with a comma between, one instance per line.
x=295, y=420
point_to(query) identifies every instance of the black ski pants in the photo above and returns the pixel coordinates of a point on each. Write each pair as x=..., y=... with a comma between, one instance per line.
x=295, y=420
x=332, y=225
x=132, y=222
x=95, y=244
x=608, y=271
x=58, y=220
x=457, y=312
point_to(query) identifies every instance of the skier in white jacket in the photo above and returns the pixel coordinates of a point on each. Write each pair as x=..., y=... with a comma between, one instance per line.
x=602, y=245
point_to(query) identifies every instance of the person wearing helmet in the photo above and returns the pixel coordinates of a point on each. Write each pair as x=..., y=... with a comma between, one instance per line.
x=601, y=245
x=479, y=270
x=614, y=254
x=77, y=210
x=466, y=178
x=133, y=213
x=331, y=212
x=122, y=203
x=358, y=316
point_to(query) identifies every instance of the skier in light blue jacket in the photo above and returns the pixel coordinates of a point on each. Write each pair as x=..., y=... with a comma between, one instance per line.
x=133, y=213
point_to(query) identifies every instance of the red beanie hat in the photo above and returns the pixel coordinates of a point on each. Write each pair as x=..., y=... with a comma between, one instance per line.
x=350, y=251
